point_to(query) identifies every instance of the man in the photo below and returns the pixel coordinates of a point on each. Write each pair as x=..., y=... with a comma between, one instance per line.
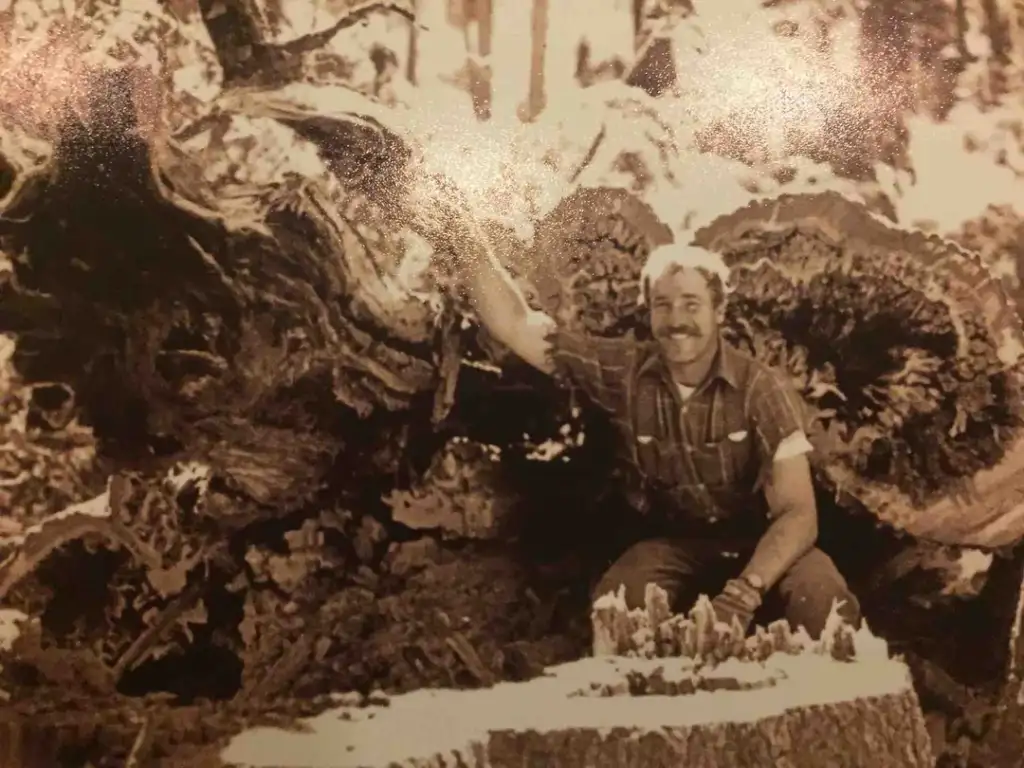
x=716, y=437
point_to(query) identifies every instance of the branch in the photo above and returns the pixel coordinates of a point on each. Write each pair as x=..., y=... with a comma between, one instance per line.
x=141, y=647
x=246, y=57
x=353, y=16
x=140, y=747
x=237, y=39
x=73, y=523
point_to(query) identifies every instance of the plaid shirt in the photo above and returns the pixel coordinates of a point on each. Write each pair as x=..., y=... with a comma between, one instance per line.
x=701, y=464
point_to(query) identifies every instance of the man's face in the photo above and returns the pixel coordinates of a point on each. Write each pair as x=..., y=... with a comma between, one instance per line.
x=684, y=319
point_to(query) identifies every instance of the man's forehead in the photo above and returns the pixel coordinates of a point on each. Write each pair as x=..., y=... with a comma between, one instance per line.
x=681, y=281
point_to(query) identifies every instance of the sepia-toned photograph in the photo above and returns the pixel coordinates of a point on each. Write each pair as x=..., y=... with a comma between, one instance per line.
x=511, y=383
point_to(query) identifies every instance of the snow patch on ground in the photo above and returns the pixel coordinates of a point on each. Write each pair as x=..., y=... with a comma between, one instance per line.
x=955, y=185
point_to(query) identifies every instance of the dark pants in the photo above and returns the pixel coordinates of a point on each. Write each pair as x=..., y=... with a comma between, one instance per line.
x=686, y=568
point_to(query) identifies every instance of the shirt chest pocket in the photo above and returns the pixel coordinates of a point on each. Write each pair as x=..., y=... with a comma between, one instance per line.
x=727, y=462
x=654, y=451
x=659, y=460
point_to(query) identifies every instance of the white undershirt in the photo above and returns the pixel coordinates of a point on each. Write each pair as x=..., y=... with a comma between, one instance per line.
x=795, y=444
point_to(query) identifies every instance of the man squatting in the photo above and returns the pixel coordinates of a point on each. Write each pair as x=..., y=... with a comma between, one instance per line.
x=715, y=438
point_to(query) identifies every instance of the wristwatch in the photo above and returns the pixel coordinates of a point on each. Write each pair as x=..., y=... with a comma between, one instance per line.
x=755, y=582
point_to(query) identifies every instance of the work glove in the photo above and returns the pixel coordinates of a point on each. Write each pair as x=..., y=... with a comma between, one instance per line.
x=737, y=600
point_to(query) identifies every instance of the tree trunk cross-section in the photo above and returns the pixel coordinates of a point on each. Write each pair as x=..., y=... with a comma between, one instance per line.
x=794, y=711
x=718, y=700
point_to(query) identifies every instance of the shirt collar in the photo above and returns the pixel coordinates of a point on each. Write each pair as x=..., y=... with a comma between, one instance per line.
x=726, y=365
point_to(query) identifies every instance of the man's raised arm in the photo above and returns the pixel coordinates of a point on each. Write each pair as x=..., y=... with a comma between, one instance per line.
x=599, y=367
x=502, y=308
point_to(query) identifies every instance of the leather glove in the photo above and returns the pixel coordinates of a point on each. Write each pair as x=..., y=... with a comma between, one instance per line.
x=738, y=600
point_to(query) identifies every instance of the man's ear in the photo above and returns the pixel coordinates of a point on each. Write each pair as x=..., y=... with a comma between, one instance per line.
x=720, y=314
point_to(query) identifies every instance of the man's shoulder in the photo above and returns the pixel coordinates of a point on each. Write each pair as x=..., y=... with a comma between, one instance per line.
x=609, y=352
x=756, y=376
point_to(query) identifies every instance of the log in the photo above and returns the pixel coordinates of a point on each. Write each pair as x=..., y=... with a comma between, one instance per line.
x=612, y=710
x=954, y=316
x=799, y=709
x=588, y=251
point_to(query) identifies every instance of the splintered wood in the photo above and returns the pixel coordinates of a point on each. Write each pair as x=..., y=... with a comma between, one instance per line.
x=777, y=699
x=654, y=631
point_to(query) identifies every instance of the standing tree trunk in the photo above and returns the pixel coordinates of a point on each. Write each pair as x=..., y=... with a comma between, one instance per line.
x=539, y=29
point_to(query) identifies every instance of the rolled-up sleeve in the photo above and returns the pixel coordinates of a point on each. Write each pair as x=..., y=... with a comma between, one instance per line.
x=778, y=415
x=601, y=368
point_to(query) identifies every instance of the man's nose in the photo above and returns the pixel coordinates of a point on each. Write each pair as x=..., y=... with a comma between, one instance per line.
x=679, y=316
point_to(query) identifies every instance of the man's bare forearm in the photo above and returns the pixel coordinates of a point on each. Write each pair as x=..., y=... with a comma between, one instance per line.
x=788, y=538
x=501, y=306
x=491, y=289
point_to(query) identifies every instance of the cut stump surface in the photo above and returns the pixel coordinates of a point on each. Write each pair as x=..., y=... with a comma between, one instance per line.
x=790, y=710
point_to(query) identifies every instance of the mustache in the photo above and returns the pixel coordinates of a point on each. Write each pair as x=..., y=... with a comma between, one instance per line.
x=687, y=330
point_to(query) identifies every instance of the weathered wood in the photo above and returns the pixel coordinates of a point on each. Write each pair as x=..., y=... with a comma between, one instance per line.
x=793, y=710
x=983, y=508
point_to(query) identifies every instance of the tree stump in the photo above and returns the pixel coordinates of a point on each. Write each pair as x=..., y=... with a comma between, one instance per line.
x=803, y=710
x=775, y=698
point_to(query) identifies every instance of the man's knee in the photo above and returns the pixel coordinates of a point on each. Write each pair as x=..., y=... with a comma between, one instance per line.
x=662, y=562
x=811, y=587
x=632, y=581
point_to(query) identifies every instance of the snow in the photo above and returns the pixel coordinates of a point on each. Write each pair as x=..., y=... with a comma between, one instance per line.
x=449, y=722
x=945, y=170
x=969, y=564
x=189, y=472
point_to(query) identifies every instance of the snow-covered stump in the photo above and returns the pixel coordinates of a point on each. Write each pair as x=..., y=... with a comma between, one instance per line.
x=790, y=710
x=776, y=698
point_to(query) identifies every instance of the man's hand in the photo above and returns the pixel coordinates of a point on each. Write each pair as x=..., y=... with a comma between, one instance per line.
x=738, y=600
x=446, y=220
